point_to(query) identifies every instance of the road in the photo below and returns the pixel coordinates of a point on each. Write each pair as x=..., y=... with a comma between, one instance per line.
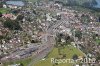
x=44, y=49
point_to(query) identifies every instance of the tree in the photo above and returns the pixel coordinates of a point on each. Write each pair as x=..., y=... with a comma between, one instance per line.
x=21, y=64
x=0, y=14
x=34, y=12
x=8, y=24
x=59, y=17
x=78, y=34
x=20, y=17
x=75, y=57
x=67, y=38
x=98, y=58
x=1, y=37
x=16, y=11
x=59, y=36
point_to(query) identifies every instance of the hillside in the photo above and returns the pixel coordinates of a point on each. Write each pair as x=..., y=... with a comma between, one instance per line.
x=86, y=3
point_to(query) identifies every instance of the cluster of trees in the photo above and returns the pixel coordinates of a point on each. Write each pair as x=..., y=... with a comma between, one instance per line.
x=1, y=37
x=78, y=34
x=98, y=58
x=21, y=64
x=12, y=24
x=20, y=17
x=61, y=36
x=16, y=11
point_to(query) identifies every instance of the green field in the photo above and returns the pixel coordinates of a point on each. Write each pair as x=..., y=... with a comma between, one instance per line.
x=98, y=41
x=4, y=10
x=68, y=50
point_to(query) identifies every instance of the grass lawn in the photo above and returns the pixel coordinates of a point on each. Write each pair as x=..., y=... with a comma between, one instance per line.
x=68, y=50
x=4, y=10
x=98, y=41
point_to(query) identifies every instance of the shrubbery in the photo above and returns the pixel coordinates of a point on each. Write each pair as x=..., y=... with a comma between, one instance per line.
x=12, y=24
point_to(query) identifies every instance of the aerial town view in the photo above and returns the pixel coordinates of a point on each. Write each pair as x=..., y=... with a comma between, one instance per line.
x=49, y=32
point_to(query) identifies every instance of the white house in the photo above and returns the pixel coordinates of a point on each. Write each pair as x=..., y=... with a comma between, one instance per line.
x=4, y=6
